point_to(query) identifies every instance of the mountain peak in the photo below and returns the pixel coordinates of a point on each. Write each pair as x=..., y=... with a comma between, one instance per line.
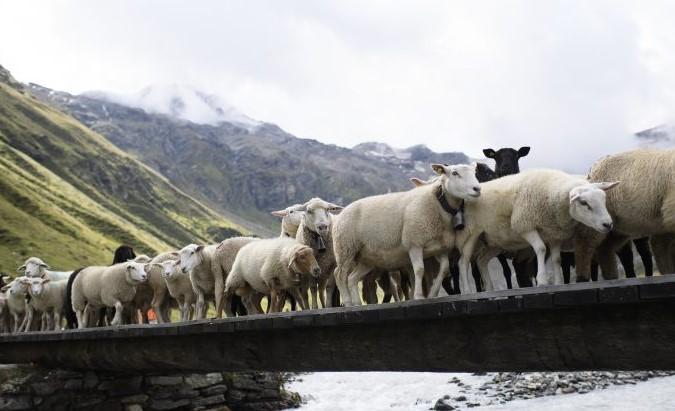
x=662, y=136
x=180, y=101
x=7, y=78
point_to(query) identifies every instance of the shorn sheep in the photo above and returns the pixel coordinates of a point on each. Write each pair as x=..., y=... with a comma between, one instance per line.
x=536, y=208
x=269, y=267
x=291, y=217
x=179, y=287
x=114, y=286
x=205, y=274
x=315, y=231
x=47, y=297
x=642, y=205
x=153, y=293
x=15, y=297
x=395, y=230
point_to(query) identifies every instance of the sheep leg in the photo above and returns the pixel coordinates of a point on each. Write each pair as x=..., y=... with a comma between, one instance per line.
x=443, y=270
x=534, y=239
x=466, y=283
x=353, y=280
x=642, y=247
x=119, y=309
x=506, y=269
x=18, y=325
x=28, y=319
x=322, y=291
x=662, y=253
x=200, y=306
x=367, y=290
x=314, y=293
x=219, y=290
x=395, y=284
x=416, y=255
x=57, y=321
x=625, y=254
x=558, y=278
x=483, y=262
x=342, y=281
x=301, y=297
x=157, y=305
x=606, y=255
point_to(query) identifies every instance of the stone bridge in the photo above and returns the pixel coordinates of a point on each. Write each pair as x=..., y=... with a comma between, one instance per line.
x=612, y=325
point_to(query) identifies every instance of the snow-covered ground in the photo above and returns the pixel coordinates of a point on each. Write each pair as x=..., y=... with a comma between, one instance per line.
x=419, y=391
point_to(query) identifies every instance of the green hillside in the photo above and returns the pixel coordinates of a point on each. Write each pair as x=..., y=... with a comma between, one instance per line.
x=70, y=196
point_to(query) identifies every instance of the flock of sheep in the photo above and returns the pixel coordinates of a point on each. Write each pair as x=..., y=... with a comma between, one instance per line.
x=411, y=244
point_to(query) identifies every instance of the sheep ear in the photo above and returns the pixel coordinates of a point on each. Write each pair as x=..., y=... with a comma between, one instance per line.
x=489, y=153
x=523, y=151
x=574, y=197
x=199, y=248
x=606, y=185
x=438, y=169
x=46, y=280
x=280, y=213
x=21, y=269
x=5, y=288
x=45, y=265
x=175, y=254
x=334, y=208
x=417, y=182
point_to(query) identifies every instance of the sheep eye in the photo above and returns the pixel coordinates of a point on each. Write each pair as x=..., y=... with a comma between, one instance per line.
x=456, y=174
x=583, y=203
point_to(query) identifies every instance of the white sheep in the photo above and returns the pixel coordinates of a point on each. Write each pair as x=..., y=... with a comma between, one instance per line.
x=115, y=286
x=153, y=293
x=47, y=297
x=642, y=205
x=206, y=276
x=35, y=267
x=536, y=208
x=291, y=217
x=15, y=297
x=225, y=254
x=179, y=287
x=315, y=231
x=271, y=266
x=393, y=230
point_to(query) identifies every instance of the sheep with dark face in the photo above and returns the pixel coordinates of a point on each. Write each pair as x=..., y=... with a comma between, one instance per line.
x=506, y=160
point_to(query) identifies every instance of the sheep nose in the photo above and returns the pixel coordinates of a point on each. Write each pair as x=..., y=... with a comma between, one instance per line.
x=608, y=226
x=322, y=227
x=316, y=272
x=476, y=189
x=183, y=270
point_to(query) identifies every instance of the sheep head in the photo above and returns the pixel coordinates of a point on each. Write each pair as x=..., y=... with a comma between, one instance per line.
x=588, y=206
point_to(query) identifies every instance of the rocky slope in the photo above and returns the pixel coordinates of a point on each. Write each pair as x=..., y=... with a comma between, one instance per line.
x=244, y=170
x=70, y=196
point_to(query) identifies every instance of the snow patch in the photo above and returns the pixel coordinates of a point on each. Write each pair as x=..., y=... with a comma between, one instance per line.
x=180, y=101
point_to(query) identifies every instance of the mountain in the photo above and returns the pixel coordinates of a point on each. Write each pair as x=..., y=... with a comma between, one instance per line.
x=182, y=102
x=412, y=160
x=662, y=136
x=242, y=170
x=70, y=196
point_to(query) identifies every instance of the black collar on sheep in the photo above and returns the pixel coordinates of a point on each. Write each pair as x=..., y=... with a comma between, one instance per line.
x=456, y=213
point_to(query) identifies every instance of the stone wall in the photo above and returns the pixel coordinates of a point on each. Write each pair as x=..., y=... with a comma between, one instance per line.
x=29, y=388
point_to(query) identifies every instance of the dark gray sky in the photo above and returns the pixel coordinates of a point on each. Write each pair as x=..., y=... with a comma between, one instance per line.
x=573, y=79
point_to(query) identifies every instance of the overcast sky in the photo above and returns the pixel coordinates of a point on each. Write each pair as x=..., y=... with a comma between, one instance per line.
x=572, y=79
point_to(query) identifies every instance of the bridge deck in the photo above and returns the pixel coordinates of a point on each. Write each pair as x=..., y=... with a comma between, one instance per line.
x=612, y=325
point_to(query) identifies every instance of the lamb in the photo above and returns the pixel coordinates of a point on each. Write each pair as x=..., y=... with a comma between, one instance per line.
x=271, y=266
x=205, y=274
x=643, y=205
x=115, y=286
x=394, y=230
x=35, y=267
x=314, y=231
x=291, y=217
x=179, y=286
x=538, y=208
x=152, y=294
x=15, y=297
x=47, y=297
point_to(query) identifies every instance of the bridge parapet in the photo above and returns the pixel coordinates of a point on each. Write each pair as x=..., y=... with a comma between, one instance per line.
x=619, y=325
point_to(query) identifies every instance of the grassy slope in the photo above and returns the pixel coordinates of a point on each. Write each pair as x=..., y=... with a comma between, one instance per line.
x=69, y=196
